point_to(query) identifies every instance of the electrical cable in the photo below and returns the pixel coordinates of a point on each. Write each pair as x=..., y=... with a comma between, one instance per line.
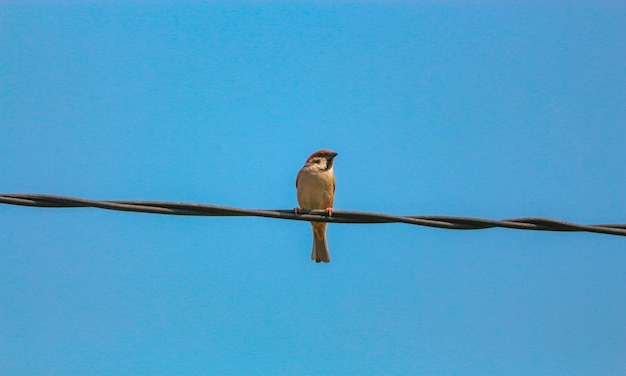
x=337, y=216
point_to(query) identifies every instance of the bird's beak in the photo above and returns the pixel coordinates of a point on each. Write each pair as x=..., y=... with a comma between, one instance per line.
x=333, y=154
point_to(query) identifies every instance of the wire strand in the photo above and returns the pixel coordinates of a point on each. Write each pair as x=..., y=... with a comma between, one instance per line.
x=338, y=216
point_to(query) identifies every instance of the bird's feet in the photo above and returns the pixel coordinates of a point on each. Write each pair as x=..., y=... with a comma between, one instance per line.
x=329, y=211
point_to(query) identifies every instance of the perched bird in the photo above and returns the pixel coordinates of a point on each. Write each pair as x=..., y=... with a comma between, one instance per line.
x=316, y=191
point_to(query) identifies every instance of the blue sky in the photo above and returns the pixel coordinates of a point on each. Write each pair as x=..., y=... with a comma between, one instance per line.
x=456, y=108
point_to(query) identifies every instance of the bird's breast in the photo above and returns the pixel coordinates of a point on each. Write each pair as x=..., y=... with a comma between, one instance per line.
x=315, y=191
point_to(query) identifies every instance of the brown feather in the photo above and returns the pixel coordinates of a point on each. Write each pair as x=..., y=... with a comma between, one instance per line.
x=315, y=185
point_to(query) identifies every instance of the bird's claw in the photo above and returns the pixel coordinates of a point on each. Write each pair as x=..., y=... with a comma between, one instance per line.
x=329, y=211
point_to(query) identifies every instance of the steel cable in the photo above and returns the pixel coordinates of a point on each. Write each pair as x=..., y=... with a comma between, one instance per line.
x=338, y=216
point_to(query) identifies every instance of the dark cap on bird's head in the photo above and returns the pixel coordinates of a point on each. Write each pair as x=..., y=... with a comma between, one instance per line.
x=328, y=154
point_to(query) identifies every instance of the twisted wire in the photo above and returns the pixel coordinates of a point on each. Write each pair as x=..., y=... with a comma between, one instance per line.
x=338, y=216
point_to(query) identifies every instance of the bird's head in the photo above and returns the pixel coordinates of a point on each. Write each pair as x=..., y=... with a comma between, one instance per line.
x=323, y=159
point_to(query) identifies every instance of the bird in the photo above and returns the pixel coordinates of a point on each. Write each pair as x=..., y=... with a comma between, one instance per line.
x=315, y=185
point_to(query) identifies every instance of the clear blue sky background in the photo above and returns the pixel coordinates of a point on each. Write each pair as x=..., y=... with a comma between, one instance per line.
x=457, y=108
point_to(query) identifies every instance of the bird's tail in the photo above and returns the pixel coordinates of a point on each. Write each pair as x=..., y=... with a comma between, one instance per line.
x=320, y=246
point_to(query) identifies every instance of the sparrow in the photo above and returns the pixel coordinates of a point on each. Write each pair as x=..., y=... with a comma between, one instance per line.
x=315, y=184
